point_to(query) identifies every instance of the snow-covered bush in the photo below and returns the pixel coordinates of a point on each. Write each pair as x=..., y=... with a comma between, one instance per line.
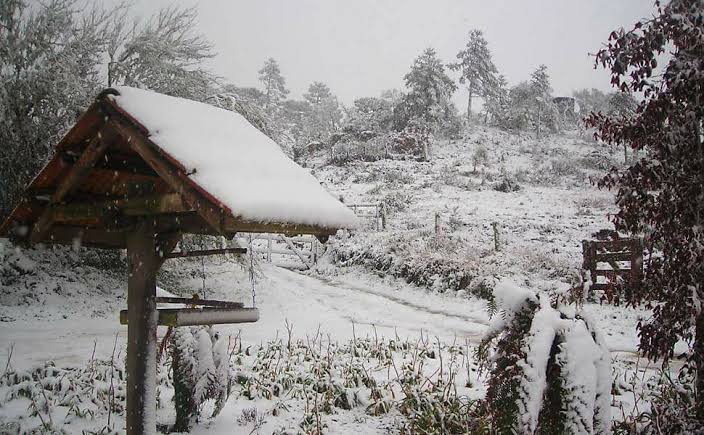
x=550, y=370
x=201, y=372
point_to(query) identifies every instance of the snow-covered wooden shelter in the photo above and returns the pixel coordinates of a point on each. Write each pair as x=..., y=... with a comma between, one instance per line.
x=139, y=170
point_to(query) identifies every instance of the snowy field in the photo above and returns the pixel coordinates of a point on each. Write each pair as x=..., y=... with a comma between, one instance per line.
x=55, y=308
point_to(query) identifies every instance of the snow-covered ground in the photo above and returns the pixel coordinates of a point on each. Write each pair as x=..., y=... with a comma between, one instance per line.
x=55, y=307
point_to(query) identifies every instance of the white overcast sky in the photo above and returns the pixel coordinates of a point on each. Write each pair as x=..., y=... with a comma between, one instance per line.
x=362, y=47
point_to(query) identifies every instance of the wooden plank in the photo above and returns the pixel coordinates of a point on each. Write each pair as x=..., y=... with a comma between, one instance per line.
x=281, y=252
x=236, y=225
x=94, y=151
x=206, y=252
x=612, y=256
x=212, y=214
x=175, y=317
x=613, y=245
x=198, y=302
x=599, y=286
x=290, y=245
x=608, y=273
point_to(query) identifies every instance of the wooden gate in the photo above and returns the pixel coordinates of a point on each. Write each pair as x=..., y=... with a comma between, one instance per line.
x=375, y=214
x=292, y=252
x=613, y=259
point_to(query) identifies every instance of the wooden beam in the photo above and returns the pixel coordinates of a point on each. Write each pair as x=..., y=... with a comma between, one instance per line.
x=144, y=206
x=87, y=237
x=95, y=150
x=174, y=177
x=235, y=225
x=206, y=252
x=141, y=332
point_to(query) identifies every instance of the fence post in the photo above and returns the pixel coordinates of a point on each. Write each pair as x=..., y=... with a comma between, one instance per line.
x=268, y=247
x=383, y=215
x=636, y=263
x=437, y=223
x=314, y=247
x=495, y=226
x=376, y=217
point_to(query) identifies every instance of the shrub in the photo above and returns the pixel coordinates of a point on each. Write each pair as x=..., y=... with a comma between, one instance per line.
x=551, y=370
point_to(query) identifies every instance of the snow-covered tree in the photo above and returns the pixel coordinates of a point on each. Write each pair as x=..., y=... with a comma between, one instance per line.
x=476, y=68
x=165, y=54
x=274, y=86
x=662, y=193
x=430, y=91
x=542, y=92
x=49, y=54
x=496, y=101
x=325, y=115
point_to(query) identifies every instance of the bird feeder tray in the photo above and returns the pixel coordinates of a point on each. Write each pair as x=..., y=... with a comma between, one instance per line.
x=201, y=316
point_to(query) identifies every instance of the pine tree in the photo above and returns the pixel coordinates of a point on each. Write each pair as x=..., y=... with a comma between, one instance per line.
x=274, y=86
x=542, y=91
x=430, y=90
x=325, y=115
x=496, y=101
x=662, y=194
x=476, y=68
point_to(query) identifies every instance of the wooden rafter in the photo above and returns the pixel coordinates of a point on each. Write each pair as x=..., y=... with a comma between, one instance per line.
x=95, y=150
x=213, y=215
x=206, y=252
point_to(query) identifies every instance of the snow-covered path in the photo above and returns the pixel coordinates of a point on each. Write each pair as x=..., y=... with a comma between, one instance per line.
x=310, y=303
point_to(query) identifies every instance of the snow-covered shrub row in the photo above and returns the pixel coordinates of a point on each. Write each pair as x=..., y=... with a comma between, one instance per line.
x=401, y=260
x=550, y=370
x=417, y=378
x=48, y=397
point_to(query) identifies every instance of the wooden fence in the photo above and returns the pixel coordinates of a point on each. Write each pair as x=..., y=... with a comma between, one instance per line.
x=613, y=259
x=375, y=214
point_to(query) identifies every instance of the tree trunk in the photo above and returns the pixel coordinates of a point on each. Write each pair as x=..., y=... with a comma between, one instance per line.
x=469, y=101
x=699, y=361
x=141, y=330
x=538, y=122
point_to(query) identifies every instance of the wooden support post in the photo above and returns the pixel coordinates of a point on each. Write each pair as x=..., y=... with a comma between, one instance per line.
x=383, y=216
x=141, y=331
x=636, y=264
x=437, y=223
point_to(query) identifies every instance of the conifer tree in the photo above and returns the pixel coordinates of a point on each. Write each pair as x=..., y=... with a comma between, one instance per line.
x=325, y=114
x=542, y=92
x=430, y=90
x=476, y=68
x=274, y=86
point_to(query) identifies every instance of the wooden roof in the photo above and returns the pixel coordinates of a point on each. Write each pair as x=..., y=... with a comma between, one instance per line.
x=106, y=174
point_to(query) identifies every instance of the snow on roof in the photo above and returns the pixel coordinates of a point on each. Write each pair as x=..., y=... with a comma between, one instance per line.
x=233, y=161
